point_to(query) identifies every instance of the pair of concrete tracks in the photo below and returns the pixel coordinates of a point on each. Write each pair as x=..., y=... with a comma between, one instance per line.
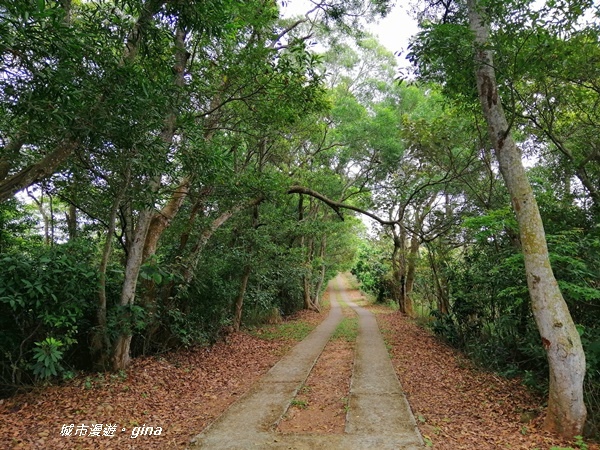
x=379, y=416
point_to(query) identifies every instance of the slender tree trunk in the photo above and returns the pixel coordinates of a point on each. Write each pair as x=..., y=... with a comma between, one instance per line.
x=239, y=301
x=443, y=303
x=592, y=189
x=45, y=218
x=413, y=252
x=306, y=296
x=191, y=262
x=306, y=278
x=100, y=346
x=410, y=274
x=398, y=266
x=121, y=356
x=71, y=217
x=323, y=247
x=197, y=206
x=566, y=412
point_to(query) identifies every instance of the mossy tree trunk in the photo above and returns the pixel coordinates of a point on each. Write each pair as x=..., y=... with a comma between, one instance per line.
x=566, y=412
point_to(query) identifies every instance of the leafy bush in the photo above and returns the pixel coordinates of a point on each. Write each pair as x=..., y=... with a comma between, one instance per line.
x=47, y=306
x=47, y=357
x=372, y=272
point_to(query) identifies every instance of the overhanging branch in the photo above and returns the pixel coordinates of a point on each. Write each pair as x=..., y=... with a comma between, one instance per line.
x=337, y=206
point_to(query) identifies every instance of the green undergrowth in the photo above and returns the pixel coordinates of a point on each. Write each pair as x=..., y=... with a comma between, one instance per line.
x=579, y=445
x=295, y=331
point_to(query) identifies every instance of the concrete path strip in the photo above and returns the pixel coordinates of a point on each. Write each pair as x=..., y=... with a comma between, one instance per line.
x=378, y=418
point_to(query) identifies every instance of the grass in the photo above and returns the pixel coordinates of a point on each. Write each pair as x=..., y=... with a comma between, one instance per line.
x=347, y=329
x=387, y=336
x=302, y=404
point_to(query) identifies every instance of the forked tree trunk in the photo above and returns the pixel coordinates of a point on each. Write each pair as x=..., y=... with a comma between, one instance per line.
x=566, y=412
x=139, y=247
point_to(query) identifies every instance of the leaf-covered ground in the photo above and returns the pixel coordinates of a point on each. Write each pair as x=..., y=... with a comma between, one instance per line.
x=321, y=404
x=181, y=392
x=457, y=405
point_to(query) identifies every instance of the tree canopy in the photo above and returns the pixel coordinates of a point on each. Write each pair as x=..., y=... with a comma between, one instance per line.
x=172, y=170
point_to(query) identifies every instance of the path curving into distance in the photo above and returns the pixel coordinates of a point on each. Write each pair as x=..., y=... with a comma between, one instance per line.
x=379, y=416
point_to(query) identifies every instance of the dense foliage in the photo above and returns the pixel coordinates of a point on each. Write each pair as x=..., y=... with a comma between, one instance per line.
x=153, y=144
x=470, y=284
x=170, y=171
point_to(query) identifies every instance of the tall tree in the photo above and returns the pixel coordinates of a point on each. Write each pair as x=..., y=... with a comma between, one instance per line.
x=464, y=29
x=566, y=410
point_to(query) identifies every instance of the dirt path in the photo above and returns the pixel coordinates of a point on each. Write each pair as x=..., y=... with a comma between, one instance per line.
x=379, y=416
x=458, y=406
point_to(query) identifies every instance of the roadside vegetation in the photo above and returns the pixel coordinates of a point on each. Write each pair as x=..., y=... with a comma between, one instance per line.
x=173, y=171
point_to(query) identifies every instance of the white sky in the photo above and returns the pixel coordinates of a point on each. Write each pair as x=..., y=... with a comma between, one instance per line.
x=393, y=32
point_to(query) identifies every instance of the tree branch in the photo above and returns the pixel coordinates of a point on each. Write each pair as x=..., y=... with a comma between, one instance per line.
x=337, y=206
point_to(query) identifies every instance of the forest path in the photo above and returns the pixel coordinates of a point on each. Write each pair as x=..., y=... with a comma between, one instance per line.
x=379, y=416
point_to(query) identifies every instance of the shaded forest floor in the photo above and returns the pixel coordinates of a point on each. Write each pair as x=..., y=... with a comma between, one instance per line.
x=181, y=392
x=457, y=406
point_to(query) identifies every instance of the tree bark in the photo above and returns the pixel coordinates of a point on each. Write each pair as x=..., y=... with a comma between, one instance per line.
x=322, y=249
x=191, y=220
x=121, y=357
x=163, y=218
x=566, y=412
x=71, y=217
x=38, y=171
x=239, y=301
x=410, y=274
